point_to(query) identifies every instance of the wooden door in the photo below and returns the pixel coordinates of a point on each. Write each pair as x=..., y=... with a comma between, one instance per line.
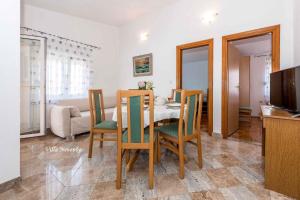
x=233, y=89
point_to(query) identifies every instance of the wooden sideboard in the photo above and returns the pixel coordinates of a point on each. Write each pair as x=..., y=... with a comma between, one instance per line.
x=281, y=143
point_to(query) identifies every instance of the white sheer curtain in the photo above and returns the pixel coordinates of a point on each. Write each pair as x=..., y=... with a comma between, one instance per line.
x=268, y=70
x=69, y=68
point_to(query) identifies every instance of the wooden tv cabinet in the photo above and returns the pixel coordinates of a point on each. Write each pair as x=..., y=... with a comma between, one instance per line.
x=282, y=151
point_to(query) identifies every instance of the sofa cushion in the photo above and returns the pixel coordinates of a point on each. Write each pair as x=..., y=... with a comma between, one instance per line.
x=74, y=111
x=81, y=104
x=80, y=124
x=107, y=124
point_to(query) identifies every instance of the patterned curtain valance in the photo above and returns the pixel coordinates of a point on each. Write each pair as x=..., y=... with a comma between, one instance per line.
x=69, y=66
x=57, y=46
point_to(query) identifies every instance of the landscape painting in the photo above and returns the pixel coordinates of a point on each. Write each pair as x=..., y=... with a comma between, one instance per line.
x=142, y=65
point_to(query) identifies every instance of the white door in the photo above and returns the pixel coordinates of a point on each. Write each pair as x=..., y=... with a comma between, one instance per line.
x=32, y=86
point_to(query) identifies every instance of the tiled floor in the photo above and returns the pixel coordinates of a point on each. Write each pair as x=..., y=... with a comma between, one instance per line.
x=232, y=170
x=249, y=131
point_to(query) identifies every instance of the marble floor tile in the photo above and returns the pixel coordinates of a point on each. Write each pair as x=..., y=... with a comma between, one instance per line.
x=138, y=188
x=207, y=195
x=231, y=170
x=34, y=188
x=242, y=175
x=80, y=192
x=278, y=196
x=37, y=180
x=176, y=197
x=192, y=165
x=107, y=191
x=227, y=160
x=259, y=190
x=257, y=169
x=196, y=181
x=170, y=185
x=84, y=176
x=49, y=191
x=237, y=193
x=222, y=177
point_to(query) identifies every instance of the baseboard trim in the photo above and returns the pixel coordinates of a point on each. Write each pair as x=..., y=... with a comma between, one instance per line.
x=9, y=184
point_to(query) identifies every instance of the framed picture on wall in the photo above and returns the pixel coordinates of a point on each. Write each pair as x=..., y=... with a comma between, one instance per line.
x=143, y=65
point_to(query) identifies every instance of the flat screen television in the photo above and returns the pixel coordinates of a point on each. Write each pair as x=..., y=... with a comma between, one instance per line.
x=285, y=89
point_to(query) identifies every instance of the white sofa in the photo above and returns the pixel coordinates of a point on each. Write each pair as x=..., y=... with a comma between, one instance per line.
x=64, y=125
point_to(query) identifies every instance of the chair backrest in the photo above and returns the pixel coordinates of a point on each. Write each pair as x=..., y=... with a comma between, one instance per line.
x=176, y=95
x=135, y=101
x=96, y=106
x=190, y=114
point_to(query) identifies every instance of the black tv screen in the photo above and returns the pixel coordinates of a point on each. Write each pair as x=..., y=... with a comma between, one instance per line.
x=285, y=89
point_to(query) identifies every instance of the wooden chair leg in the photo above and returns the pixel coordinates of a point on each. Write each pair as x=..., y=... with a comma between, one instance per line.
x=132, y=160
x=91, y=144
x=127, y=154
x=181, y=160
x=158, y=149
x=155, y=150
x=151, y=167
x=101, y=142
x=199, y=147
x=119, y=168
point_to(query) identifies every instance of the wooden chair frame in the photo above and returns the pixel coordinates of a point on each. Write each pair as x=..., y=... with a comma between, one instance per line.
x=176, y=145
x=173, y=94
x=125, y=148
x=98, y=131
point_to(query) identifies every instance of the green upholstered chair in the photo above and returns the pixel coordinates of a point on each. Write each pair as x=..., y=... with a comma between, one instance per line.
x=173, y=136
x=99, y=126
x=135, y=137
x=176, y=95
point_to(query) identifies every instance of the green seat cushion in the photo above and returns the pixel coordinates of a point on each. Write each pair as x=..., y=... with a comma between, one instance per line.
x=137, y=139
x=170, y=129
x=107, y=124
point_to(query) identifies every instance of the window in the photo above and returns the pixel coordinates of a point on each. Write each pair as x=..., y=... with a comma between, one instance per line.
x=69, y=72
x=67, y=77
x=268, y=70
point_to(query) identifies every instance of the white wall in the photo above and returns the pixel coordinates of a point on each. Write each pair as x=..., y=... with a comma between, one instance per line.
x=194, y=75
x=9, y=90
x=180, y=23
x=297, y=32
x=105, y=36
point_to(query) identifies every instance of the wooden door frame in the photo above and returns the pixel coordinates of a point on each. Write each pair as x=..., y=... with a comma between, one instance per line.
x=179, y=49
x=275, y=31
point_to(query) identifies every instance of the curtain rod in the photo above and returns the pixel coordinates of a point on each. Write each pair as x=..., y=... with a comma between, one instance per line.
x=62, y=38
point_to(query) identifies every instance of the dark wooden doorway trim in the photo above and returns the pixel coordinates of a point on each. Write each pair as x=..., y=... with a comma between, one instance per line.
x=275, y=31
x=179, y=49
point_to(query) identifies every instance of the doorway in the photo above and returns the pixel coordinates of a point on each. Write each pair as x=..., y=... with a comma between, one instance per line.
x=194, y=70
x=246, y=57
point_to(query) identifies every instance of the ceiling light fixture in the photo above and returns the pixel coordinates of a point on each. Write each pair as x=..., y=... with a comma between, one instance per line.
x=144, y=36
x=209, y=17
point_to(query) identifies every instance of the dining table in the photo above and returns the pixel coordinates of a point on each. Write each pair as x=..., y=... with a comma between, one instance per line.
x=161, y=112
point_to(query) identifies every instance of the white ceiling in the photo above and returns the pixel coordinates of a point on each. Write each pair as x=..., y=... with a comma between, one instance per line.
x=195, y=54
x=113, y=12
x=254, y=46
